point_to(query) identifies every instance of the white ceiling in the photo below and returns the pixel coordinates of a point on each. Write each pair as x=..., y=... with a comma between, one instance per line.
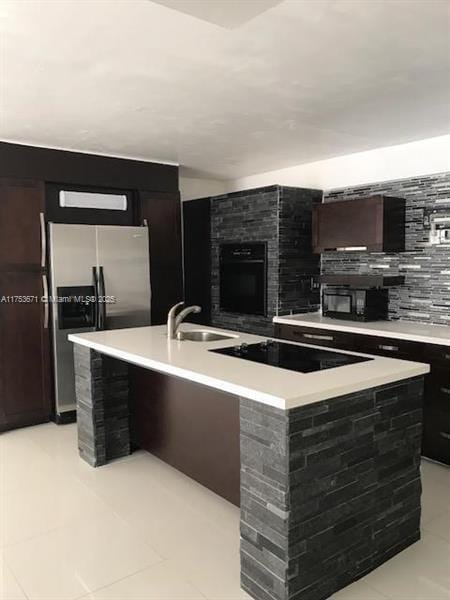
x=302, y=80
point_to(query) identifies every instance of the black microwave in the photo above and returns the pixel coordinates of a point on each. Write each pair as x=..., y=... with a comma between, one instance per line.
x=355, y=304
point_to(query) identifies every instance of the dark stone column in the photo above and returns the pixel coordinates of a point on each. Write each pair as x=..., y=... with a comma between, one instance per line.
x=329, y=491
x=101, y=384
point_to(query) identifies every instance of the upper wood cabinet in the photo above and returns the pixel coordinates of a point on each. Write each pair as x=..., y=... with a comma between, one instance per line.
x=375, y=224
x=21, y=222
x=162, y=211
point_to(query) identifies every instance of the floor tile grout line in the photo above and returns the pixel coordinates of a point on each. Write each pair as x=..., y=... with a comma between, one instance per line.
x=102, y=587
x=19, y=585
x=436, y=535
x=147, y=568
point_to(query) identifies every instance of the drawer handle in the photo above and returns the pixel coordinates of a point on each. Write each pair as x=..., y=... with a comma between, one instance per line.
x=444, y=435
x=312, y=336
x=445, y=390
x=447, y=356
x=388, y=348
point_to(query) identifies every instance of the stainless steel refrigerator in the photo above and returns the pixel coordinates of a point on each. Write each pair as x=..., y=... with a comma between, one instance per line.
x=100, y=279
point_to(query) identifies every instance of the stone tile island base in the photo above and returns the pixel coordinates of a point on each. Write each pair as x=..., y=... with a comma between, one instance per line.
x=102, y=387
x=329, y=491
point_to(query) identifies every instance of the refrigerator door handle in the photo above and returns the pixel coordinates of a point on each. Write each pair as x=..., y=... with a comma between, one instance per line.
x=96, y=309
x=45, y=300
x=101, y=301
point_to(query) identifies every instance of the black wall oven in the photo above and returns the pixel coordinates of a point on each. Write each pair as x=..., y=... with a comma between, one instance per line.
x=243, y=278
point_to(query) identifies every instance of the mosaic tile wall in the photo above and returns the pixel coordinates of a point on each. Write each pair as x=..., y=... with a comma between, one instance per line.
x=425, y=296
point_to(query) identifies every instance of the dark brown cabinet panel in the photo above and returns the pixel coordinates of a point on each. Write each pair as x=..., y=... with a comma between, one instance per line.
x=390, y=347
x=20, y=161
x=438, y=388
x=21, y=206
x=438, y=355
x=24, y=351
x=163, y=215
x=436, y=428
x=315, y=336
x=197, y=257
x=167, y=290
x=190, y=426
x=436, y=434
x=376, y=224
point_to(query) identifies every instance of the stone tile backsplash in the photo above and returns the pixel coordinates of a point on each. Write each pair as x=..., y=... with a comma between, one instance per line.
x=425, y=296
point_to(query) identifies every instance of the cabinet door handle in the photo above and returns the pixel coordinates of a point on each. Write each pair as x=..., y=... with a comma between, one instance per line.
x=445, y=390
x=444, y=435
x=312, y=336
x=388, y=348
x=447, y=356
x=43, y=241
x=45, y=299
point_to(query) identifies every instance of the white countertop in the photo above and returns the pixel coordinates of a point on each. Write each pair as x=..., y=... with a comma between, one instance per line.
x=149, y=347
x=402, y=330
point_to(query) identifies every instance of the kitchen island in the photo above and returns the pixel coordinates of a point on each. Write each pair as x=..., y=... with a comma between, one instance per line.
x=329, y=460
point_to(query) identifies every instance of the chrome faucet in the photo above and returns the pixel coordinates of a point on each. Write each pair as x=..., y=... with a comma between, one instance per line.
x=174, y=320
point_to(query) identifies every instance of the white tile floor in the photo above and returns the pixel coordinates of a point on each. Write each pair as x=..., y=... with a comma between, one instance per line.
x=138, y=529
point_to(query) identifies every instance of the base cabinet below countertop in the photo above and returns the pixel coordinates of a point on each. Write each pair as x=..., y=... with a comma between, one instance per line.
x=436, y=427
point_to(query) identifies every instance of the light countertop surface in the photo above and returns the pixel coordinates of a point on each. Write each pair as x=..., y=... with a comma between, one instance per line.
x=149, y=347
x=402, y=330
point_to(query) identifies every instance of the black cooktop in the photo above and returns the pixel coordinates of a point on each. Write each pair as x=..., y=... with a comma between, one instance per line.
x=291, y=356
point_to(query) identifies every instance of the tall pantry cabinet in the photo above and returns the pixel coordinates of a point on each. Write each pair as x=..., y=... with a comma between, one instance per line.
x=25, y=391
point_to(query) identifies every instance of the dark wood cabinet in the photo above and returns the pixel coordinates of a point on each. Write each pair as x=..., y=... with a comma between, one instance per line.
x=375, y=224
x=22, y=206
x=197, y=257
x=390, y=347
x=24, y=350
x=436, y=416
x=315, y=337
x=162, y=212
x=25, y=393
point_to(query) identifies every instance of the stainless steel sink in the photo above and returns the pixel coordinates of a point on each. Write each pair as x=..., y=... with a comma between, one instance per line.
x=200, y=335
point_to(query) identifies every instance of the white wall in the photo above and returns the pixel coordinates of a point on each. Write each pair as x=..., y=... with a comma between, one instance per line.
x=193, y=187
x=424, y=157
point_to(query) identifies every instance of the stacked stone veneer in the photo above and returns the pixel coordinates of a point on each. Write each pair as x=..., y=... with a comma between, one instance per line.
x=425, y=296
x=280, y=216
x=102, y=387
x=329, y=491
